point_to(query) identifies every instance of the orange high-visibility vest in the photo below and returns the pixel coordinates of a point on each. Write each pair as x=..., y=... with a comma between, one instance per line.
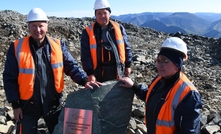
x=93, y=43
x=27, y=67
x=165, y=121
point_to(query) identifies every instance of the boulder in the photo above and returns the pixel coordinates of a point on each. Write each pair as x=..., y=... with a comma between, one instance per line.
x=110, y=103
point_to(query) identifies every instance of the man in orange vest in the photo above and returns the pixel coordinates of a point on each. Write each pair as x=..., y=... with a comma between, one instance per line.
x=34, y=75
x=105, y=50
x=172, y=102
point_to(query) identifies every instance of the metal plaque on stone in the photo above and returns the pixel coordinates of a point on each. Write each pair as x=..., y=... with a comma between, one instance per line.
x=77, y=121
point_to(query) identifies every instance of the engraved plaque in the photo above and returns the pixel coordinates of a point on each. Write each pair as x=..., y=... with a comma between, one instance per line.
x=77, y=121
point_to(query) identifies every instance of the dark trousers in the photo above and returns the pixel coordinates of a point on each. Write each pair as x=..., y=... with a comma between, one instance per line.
x=29, y=123
x=107, y=73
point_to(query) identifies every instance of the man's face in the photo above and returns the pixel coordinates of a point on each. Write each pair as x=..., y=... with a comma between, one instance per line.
x=38, y=30
x=103, y=17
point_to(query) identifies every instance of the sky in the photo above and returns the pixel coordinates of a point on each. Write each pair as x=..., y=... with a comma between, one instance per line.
x=84, y=8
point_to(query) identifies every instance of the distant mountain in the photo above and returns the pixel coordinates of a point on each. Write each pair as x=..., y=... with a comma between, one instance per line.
x=215, y=26
x=212, y=17
x=159, y=26
x=139, y=19
x=187, y=21
x=213, y=34
x=214, y=30
x=205, y=24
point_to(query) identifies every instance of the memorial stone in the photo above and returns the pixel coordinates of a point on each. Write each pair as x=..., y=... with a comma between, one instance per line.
x=111, y=107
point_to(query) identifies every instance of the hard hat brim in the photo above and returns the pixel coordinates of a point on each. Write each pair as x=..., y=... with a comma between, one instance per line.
x=38, y=21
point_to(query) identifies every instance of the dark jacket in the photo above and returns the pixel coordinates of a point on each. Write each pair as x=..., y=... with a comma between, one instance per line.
x=187, y=113
x=85, y=47
x=10, y=74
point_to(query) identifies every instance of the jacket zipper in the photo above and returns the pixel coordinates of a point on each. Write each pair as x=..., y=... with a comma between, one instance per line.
x=181, y=119
x=50, y=69
x=158, y=113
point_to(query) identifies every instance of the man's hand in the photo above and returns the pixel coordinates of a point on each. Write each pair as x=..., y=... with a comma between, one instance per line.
x=18, y=114
x=90, y=84
x=91, y=78
x=127, y=82
x=127, y=72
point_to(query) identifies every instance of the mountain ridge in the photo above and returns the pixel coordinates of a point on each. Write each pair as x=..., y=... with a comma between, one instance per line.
x=193, y=23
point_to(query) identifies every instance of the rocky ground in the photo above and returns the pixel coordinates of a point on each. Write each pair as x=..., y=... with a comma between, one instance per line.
x=203, y=66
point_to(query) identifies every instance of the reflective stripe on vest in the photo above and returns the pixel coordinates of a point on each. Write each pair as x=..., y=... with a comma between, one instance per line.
x=93, y=43
x=165, y=120
x=27, y=67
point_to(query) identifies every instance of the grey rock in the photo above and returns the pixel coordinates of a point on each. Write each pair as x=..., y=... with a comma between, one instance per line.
x=139, y=132
x=2, y=119
x=130, y=131
x=211, y=129
x=203, y=120
x=133, y=124
x=41, y=123
x=142, y=128
x=10, y=115
x=111, y=105
x=140, y=112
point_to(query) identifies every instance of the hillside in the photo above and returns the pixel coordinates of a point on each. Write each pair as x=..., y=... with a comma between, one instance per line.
x=203, y=66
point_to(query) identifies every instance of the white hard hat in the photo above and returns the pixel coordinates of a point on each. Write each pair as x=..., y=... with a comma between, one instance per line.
x=100, y=4
x=177, y=44
x=36, y=14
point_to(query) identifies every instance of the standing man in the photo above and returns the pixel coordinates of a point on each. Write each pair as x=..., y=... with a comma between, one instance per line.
x=34, y=75
x=105, y=50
